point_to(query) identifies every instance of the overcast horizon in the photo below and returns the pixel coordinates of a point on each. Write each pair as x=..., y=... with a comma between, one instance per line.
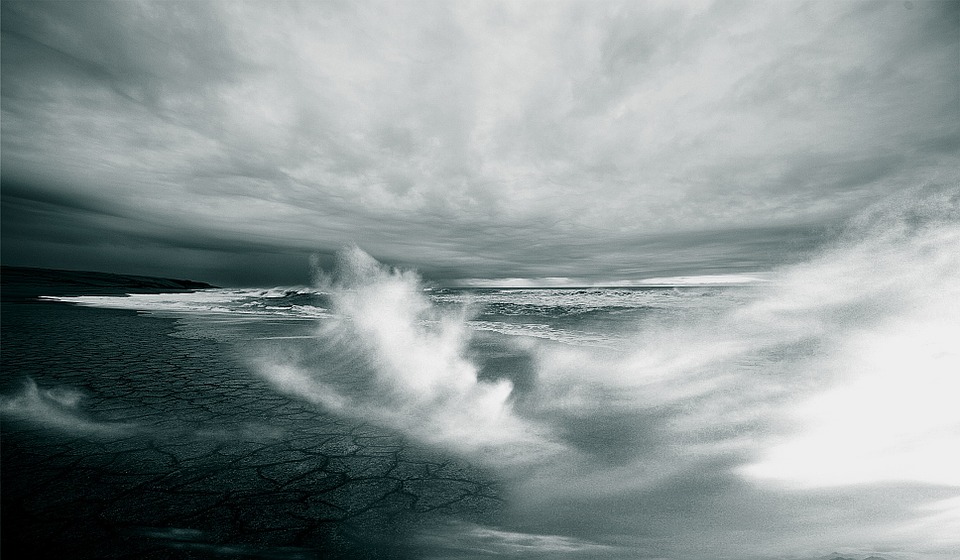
x=563, y=142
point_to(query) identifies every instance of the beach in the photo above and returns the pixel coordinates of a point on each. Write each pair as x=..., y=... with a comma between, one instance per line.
x=122, y=441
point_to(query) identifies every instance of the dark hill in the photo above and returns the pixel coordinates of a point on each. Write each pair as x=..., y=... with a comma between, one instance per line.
x=18, y=283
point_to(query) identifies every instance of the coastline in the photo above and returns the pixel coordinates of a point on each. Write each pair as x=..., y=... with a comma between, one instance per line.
x=24, y=283
x=119, y=440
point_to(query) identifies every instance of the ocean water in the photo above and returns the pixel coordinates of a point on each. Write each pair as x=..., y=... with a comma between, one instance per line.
x=812, y=413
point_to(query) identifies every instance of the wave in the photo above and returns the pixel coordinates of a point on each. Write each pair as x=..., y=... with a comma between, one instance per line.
x=838, y=373
x=848, y=354
x=294, y=302
x=832, y=382
x=726, y=372
x=559, y=301
x=391, y=356
x=885, y=305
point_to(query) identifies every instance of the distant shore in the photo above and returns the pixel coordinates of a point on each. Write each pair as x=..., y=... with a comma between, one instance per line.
x=25, y=283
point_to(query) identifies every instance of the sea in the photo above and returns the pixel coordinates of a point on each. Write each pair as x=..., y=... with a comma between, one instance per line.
x=810, y=413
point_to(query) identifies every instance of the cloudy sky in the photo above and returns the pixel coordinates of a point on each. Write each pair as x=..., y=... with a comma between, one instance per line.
x=229, y=141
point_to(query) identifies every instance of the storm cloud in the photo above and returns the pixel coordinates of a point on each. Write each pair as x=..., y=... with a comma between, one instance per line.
x=598, y=140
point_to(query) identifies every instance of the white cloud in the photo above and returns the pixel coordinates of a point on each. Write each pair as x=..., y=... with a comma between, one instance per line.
x=571, y=124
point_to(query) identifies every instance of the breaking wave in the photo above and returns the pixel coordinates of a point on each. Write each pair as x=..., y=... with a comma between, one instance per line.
x=391, y=356
x=833, y=381
x=840, y=372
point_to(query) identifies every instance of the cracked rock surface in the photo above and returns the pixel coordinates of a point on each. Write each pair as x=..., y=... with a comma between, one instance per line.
x=121, y=441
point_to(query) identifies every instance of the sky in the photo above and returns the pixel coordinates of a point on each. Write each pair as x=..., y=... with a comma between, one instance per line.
x=473, y=141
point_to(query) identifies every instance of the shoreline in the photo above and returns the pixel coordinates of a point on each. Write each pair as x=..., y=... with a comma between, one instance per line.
x=119, y=440
x=27, y=283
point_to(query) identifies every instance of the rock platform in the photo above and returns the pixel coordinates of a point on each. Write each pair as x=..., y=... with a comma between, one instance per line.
x=122, y=441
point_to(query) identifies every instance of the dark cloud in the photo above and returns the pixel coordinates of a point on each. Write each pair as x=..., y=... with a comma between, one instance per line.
x=473, y=140
x=86, y=233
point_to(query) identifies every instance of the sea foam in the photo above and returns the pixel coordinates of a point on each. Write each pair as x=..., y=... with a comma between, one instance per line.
x=59, y=408
x=412, y=364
